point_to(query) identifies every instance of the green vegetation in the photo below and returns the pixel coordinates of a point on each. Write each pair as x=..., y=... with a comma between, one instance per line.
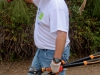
x=85, y=28
x=16, y=29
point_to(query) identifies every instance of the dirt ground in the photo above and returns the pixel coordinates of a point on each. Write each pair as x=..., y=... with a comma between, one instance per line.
x=21, y=68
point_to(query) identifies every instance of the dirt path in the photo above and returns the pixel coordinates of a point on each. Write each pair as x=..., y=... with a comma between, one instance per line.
x=21, y=68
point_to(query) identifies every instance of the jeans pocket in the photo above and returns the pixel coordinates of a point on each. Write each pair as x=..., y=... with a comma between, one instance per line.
x=49, y=54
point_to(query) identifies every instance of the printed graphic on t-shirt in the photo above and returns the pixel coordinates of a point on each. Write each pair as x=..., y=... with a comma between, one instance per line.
x=40, y=14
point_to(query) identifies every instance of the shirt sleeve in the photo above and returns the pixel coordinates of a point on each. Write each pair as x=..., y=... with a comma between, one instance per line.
x=36, y=2
x=59, y=20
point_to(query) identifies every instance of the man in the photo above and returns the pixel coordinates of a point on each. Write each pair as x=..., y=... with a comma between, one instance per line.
x=51, y=34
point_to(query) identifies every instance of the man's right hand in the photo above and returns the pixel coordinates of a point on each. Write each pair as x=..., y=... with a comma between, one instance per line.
x=55, y=67
x=29, y=1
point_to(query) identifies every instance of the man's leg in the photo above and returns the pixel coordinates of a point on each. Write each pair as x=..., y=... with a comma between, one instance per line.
x=44, y=57
x=35, y=63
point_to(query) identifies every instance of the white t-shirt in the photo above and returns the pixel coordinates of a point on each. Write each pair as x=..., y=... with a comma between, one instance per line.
x=52, y=15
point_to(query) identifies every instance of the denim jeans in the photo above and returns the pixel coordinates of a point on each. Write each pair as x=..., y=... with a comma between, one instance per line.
x=43, y=58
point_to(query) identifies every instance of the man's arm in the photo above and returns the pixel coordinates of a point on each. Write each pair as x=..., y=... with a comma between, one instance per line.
x=29, y=1
x=60, y=43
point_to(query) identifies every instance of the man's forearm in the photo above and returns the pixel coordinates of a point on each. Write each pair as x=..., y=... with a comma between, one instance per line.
x=29, y=1
x=60, y=44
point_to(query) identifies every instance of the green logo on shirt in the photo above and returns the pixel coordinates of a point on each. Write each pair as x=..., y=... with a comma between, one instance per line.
x=41, y=16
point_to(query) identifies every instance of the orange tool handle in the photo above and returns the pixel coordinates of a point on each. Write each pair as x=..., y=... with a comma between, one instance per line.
x=49, y=69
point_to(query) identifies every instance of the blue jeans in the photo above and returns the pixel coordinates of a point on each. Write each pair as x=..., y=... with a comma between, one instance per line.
x=43, y=58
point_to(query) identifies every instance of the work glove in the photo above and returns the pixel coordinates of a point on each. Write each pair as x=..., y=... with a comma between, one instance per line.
x=55, y=66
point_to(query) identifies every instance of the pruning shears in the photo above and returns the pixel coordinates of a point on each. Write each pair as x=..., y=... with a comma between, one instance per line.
x=89, y=60
x=9, y=1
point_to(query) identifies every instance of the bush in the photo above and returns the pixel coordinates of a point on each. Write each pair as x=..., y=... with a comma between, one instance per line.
x=84, y=29
x=16, y=27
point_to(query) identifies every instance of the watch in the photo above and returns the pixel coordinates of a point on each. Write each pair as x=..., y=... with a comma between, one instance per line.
x=56, y=60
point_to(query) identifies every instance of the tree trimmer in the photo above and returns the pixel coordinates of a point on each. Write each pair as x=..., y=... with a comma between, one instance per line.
x=89, y=60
